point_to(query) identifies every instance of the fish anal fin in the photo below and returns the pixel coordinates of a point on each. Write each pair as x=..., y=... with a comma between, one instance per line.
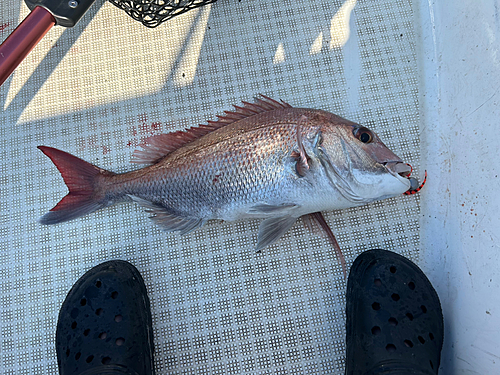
x=155, y=148
x=316, y=221
x=166, y=220
x=272, y=229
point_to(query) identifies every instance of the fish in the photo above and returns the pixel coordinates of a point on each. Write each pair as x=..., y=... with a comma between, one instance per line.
x=263, y=160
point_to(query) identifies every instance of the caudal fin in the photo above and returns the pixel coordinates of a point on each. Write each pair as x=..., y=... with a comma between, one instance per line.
x=81, y=180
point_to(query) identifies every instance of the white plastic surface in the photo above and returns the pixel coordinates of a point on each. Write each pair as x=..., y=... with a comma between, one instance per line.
x=459, y=57
x=424, y=76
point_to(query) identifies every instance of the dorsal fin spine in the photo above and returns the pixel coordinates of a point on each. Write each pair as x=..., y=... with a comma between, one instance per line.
x=159, y=146
x=250, y=107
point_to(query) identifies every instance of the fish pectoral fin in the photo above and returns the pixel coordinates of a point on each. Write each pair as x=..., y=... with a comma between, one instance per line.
x=301, y=156
x=272, y=229
x=166, y=220
x=273, y=210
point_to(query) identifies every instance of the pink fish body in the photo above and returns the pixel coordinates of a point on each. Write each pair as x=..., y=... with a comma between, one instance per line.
x=264, y=160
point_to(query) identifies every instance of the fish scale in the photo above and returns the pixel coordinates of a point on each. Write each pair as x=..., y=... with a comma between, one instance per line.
x=263, y=160
x=242, y=173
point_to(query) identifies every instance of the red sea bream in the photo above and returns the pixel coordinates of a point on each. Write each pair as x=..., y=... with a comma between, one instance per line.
x=264, y=160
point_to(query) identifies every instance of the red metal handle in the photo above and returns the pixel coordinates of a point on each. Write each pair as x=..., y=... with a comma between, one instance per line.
x=23, y=39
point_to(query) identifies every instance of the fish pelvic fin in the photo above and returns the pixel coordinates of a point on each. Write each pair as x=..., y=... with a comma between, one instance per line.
x=272, y=229
x=166, y=220
x=81, y=179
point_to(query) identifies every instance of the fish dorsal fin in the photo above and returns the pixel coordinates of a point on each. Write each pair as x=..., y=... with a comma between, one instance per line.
x=159, y=146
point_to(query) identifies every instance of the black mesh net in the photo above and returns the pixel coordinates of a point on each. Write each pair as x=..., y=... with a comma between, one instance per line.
x=152, y=13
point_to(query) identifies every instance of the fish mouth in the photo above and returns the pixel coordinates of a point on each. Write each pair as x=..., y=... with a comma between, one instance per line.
x=399, y=169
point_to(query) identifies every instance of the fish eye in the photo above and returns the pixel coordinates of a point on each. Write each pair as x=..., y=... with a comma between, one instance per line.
x=363, y=134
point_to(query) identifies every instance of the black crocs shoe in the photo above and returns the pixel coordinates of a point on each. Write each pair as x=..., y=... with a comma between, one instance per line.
x=394, y=318
x=104, y=325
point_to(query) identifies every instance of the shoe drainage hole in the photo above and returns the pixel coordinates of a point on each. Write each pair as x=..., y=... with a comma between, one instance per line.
x=114, y=295
x=73, y=325
x=103, y=335
x=86, y=332
x=424, y=309
x=118, y=318
x=99, y=312
x=68, y=352
x=376, y=330
x=411, y=285
x=120, y=341
x=393, y=321
x=395, y=297
x=392, y=269
x=409, y=316
x=431, y=336
x=83, y=302
x=106, y=361
x=421, y=339
x=377, y=282
x=391, y=348
x=98, y=283
x=89, y=359
x=78, y=355
x=376, y=306
x=408, y=343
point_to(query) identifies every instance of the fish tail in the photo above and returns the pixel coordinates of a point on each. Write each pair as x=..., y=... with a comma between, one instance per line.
x=83, y=182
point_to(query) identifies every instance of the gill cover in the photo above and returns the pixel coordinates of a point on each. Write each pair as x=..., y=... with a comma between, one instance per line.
x=356, y=166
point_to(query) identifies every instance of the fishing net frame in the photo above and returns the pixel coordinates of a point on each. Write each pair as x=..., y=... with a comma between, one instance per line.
x=47, y=13
x=152, y=13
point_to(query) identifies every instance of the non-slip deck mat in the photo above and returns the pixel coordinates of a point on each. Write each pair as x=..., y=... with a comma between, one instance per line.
x=218, y=306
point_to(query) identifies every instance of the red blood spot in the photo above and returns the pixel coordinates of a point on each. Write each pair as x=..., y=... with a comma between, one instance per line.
x=4, y=26
x=92, y=142
x=143, y=130
x=156, y=126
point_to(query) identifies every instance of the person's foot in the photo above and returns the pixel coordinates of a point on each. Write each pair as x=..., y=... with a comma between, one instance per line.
x=394, y=317
x=104, y=324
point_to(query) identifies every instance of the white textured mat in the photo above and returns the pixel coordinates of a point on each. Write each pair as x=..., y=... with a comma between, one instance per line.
x=98, y=89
